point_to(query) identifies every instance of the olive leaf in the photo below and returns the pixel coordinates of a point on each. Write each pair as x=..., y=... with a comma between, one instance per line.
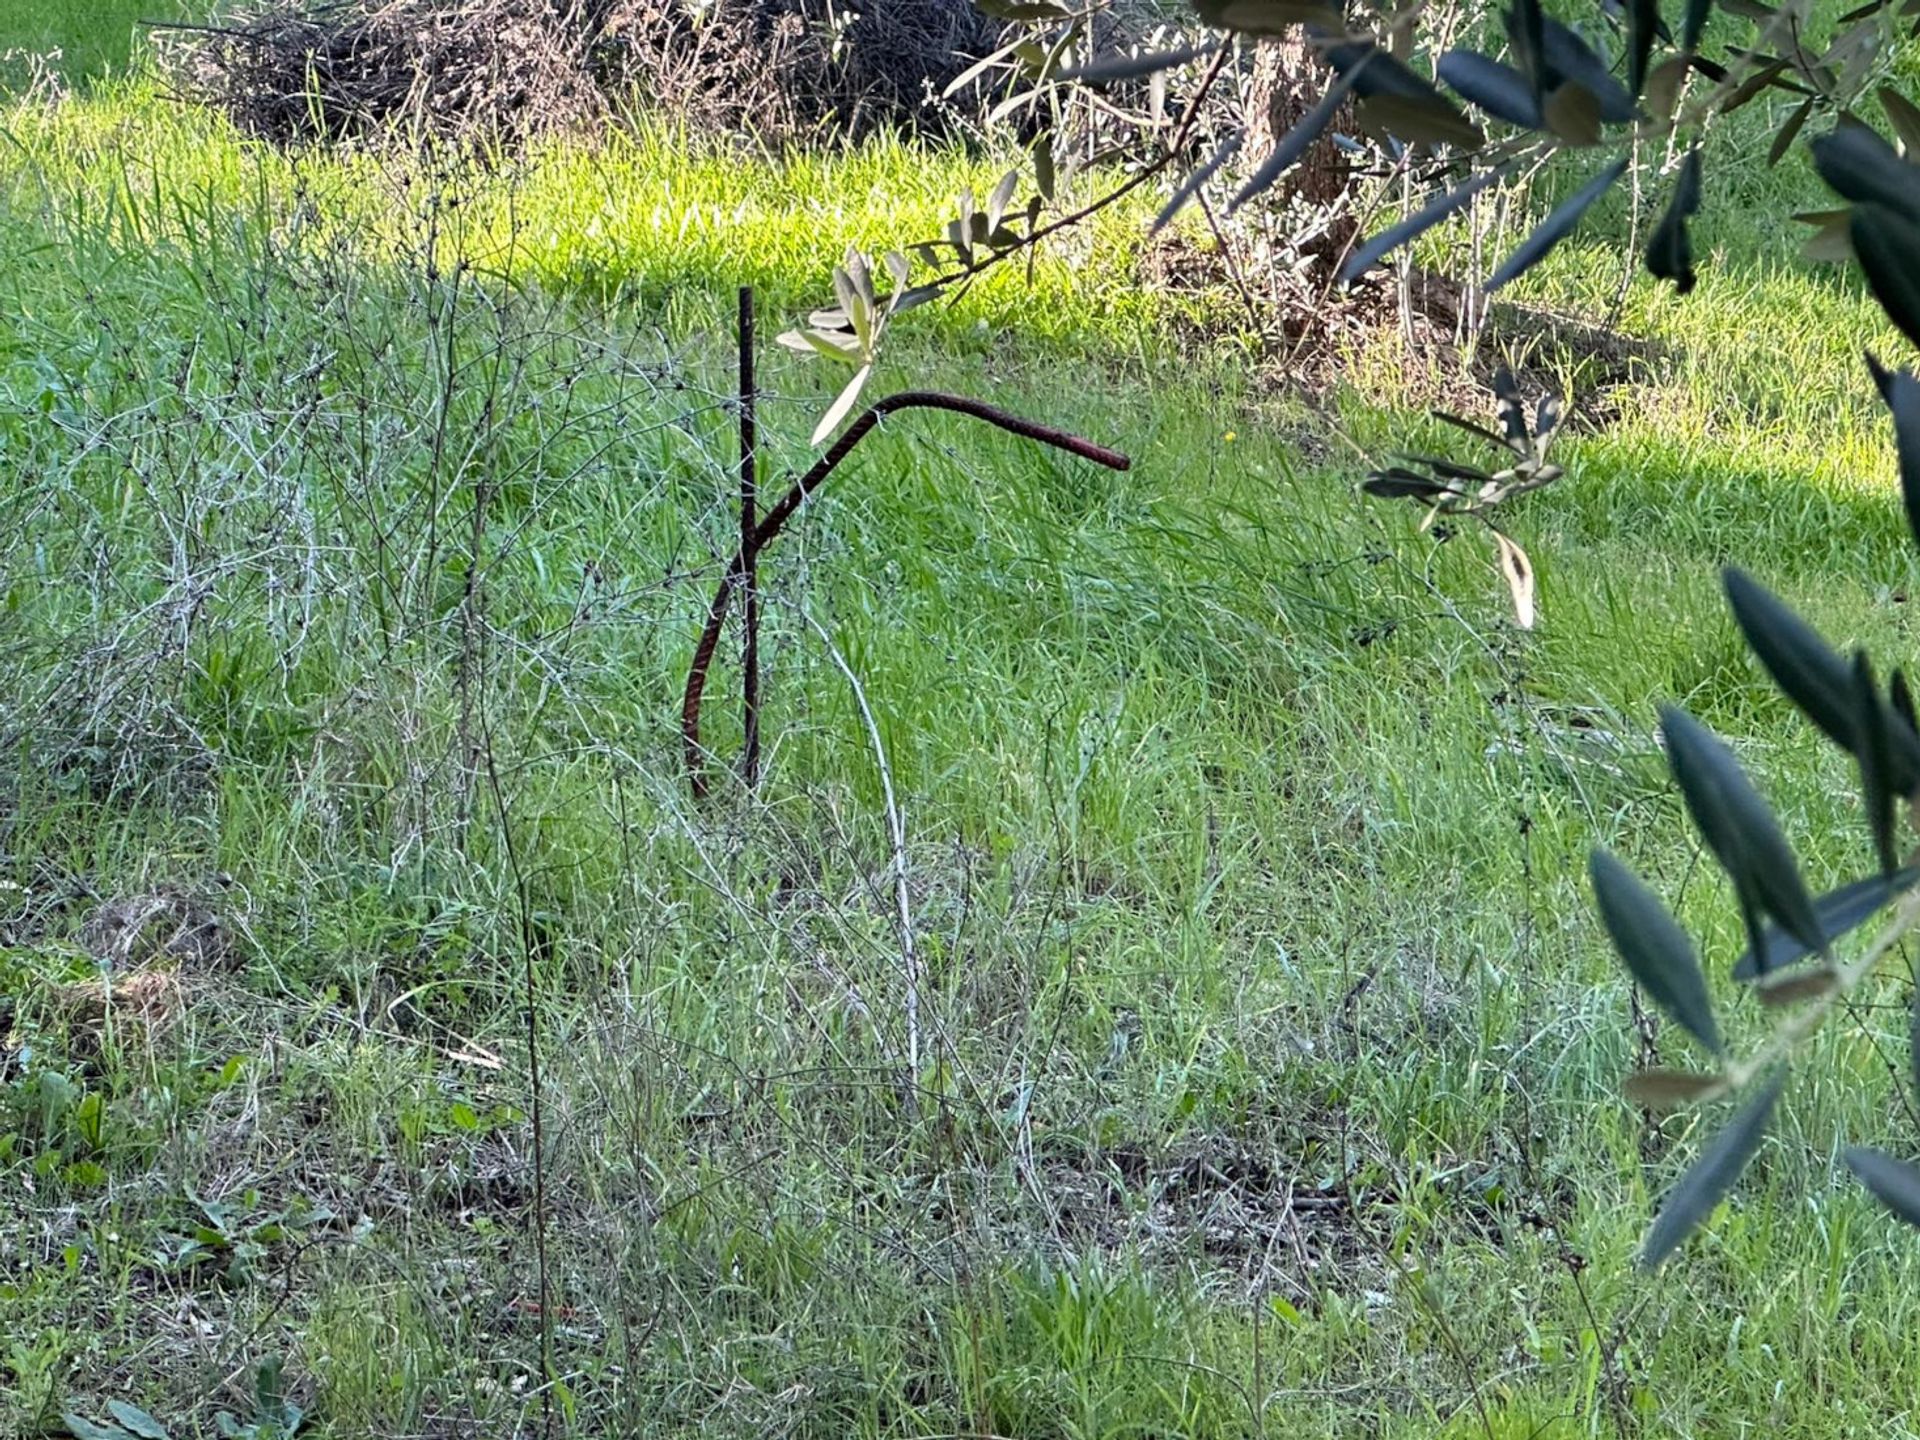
x=999, y=198
x=1886, y=242
x=979, y=68
x=1813, y=676
x=1573, y=115
x=1905, y=116
x=1420, y=120
x=1901, y=698
x=1415, y=225
x=1511, y=406
x=1500, y=90
x=1894, y=1183
x=1672, y=1089
x=1397, y=101
x=1044, y=175
x=1655, y=949
x=1803, y=665
x=1644, y=26
x=1784, y=137
x=1913, y=1041
x=1739, y=828
x=1839, y=912
x=1861, y=167
x=1662, y=90
x=1692, y=23
x=1398, y=483
x=1266, y=17
x=832, y=344
x=1526, y=38
x=1832, y=239
x=1712, y=1175
x=1547, y=416
x=1873, y=724
x=1569, y=58
x=1023, y=10
x=842, y=404
x=1555, y=228
x=1777, y=990
x=1108, y=68
x=1670, y=251
x=1190, y=187
x=1517, y=570
x=1451, y=470
x=1300, y=138
x=1472, y=428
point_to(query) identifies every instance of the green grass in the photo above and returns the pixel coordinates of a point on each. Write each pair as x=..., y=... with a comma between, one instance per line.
x=95, y=39
x=1271, y=1049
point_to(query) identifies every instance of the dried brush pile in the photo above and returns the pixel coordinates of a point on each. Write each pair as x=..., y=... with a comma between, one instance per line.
x=514, y=69
x=794, y=67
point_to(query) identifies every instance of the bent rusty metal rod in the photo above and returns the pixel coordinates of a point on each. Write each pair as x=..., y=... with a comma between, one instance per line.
x=743, y=559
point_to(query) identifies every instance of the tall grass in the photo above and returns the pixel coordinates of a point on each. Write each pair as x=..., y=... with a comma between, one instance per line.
x=95, y=39
x=1274, y=1084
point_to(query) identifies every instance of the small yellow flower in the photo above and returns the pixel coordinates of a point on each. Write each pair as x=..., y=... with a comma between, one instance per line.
x=1230, y=437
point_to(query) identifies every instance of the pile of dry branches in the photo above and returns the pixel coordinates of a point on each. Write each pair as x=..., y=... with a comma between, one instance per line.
x=512, y=69
x=793, y=67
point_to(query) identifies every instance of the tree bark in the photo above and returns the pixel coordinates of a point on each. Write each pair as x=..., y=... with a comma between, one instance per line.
x=1285, y=82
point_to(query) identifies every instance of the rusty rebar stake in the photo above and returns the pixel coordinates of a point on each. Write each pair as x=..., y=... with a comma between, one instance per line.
x=744, y=562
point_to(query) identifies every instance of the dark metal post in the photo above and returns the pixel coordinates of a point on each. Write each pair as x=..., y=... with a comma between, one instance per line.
x=749, y=550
